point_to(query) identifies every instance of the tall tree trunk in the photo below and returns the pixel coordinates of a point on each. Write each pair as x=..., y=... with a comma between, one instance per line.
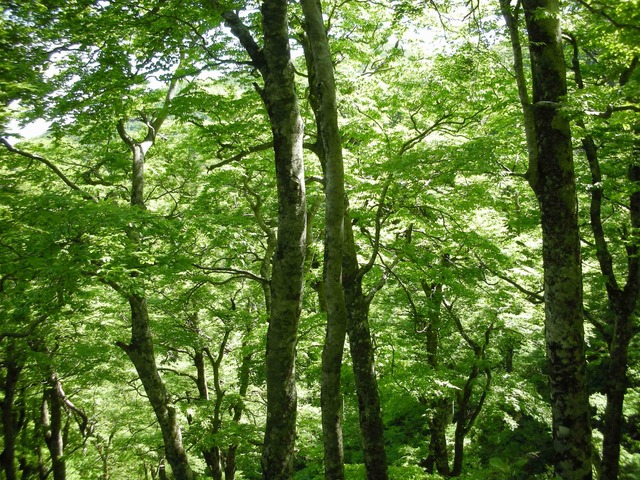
x=553, y=182
x=622, y=302
x=13, y=368
x=287, y=278
x=331, y=156
x=53, y=430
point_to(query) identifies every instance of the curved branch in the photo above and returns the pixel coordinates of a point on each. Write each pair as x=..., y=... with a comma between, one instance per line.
x=51, y=166
x=233, y=271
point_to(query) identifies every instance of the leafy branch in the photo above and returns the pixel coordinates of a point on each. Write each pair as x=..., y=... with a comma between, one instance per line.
x=51, y=166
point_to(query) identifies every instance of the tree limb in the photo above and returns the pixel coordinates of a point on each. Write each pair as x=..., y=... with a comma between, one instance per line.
x=51, y=166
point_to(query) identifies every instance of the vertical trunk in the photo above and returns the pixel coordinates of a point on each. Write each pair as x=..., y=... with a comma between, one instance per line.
x=616, y=391
x=438, y=452
x=52, y=422
x=621, y=302
x=554, y=185
x=331, y=156
x=624, y=304
x=9, y=422
x=362, y=358
x=287, y=279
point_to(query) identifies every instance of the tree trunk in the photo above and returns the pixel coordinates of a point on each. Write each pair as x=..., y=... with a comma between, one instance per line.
x=621, y=302
x=287, y=279
x=554, y=185
x=438, y=452
x=53, y=434
x=140, y=348
x=141, y=353
x=9, y=422
x=331, y=157
x=362, y=358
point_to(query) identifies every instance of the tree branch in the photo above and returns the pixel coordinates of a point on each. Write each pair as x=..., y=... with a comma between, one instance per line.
x=51, y=166
x=257, y=148
x=378, y=226
x=232, y=271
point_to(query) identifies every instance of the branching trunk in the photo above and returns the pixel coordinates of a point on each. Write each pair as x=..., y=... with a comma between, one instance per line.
x=140, y=349
x=552, y=180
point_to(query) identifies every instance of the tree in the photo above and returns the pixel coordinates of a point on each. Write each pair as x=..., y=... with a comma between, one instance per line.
x=287, y=280
x=551, y=176
x=329, y=145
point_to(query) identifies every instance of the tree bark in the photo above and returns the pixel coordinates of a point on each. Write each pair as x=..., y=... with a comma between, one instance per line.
x=362, y=358
x=622, y=302
x=553, y=182
x=141, y=353
x=287, y=279
x=53, y=430
x=331, y=157
x=13, y=368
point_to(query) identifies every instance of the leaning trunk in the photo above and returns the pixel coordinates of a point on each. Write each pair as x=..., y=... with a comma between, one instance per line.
x=141, y=353
x=554, y=185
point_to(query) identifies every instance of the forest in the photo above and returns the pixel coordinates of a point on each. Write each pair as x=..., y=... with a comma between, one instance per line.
x=336, y=239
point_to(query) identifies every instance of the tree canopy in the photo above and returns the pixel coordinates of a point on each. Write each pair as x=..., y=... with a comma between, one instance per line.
x=320, y=239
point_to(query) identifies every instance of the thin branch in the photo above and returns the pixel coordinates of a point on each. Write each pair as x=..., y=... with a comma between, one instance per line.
x=232, y=271
x=611, y=110
x=257, y=148
x=608, y=17
x=176, y=372
x=28, y=332
x=51, y=166
x=378, y=226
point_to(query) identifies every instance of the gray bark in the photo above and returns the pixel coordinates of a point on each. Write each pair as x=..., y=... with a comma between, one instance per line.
x=287, y=278
x=552, y=180
x=331, y=157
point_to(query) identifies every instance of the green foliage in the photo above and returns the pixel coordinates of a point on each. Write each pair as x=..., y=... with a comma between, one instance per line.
x=428, y=113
